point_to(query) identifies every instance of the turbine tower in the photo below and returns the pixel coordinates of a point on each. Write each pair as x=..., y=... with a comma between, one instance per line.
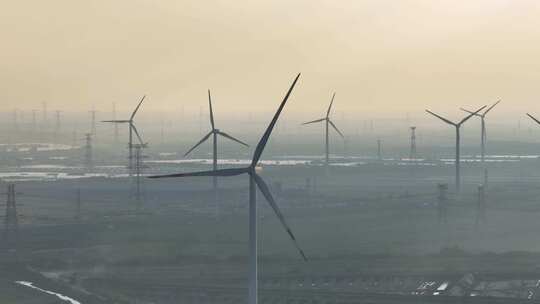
x=483, y=129
x=457, y=126
x=328, y=123
x=132, y=129
x=214, y=133
x=412, y=154
x=138, y=191
x=93, y=121
x=255, y=181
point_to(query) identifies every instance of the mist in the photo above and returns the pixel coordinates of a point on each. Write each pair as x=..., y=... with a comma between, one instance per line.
x=269, y=152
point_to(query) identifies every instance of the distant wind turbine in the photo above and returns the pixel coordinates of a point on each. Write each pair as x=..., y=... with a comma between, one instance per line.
x=457, y=126
x=132, y=129
x=255, y=181
x=214, y=133
x=483, y=135
x=328, y=123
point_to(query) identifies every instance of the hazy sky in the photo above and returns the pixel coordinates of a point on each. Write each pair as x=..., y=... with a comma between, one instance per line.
x=378, y=55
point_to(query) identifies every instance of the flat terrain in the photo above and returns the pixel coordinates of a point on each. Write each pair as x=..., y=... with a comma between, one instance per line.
x=370, y=232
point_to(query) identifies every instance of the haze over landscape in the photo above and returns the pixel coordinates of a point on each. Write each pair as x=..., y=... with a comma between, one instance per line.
x=269, y=152
x=382, y=57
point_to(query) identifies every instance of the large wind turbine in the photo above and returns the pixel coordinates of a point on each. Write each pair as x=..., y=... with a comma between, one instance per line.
x=214, y=133
x=132, y=129
x=483, y=128
x=255, y=181
x=457, y=126
x=328, y=123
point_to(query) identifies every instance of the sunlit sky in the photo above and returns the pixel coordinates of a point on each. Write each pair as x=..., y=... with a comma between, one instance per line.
x=380, y=56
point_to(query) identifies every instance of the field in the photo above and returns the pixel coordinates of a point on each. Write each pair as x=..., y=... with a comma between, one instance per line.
x=371, y=233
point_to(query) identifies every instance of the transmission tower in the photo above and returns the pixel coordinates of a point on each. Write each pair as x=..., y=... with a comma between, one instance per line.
x=88, y=159
x=137, y=171
x=412, y=154
x=57, y=126
x=93, y=122
x=115, y=125
x=11, y=221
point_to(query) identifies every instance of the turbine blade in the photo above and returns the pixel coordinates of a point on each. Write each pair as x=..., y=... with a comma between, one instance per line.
x=533, y=118
x=136, y=133
x=211, y=111
x=470, y=115
x=266, y=192
x=335, y=128
x=137, y=108
x=468, y=111
x=221, y=172
x=441, y=118
x=314, y=121
x=232, y=138
x=492, y=106
x=200, y=142
x=116, y=121
x=330, y=106
x=264, y=139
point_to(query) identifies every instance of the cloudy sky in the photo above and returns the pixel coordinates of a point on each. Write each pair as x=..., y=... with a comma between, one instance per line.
x=378, y=55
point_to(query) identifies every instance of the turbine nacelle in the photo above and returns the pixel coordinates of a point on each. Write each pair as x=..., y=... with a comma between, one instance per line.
x=329, y=123
x=214, y=131
x=131, y=122
x=327, y=118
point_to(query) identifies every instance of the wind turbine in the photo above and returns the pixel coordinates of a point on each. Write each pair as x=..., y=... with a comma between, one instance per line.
x=328, y=123
x=214, y=133
x=457, y=126
x=255, y=181
x=132, y=129
x=483, y=128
